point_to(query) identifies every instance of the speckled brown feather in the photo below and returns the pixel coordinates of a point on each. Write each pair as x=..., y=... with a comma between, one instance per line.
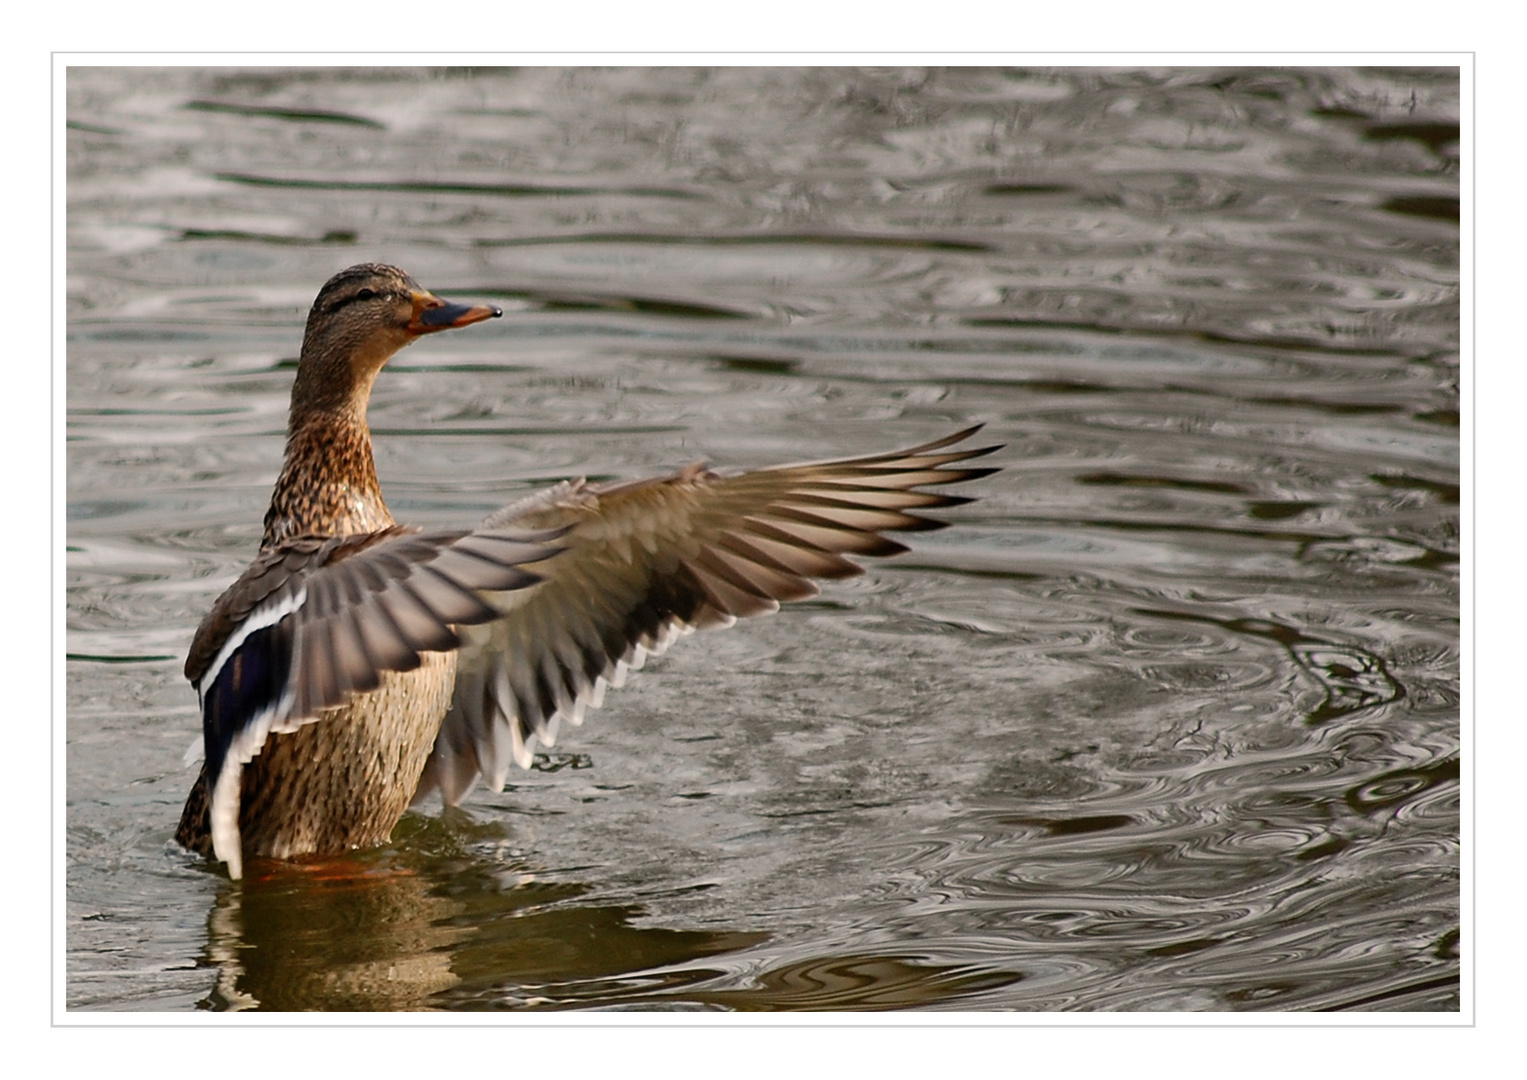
x=340, y=783
x=344, y=781
x=328, y=486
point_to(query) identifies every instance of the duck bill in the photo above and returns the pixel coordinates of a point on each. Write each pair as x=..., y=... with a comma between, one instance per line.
x=432, y=314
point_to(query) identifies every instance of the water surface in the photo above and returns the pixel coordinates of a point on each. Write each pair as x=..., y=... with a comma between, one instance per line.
x=1168, y=720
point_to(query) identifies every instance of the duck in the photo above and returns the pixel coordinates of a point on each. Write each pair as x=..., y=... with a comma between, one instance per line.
x=359, y=667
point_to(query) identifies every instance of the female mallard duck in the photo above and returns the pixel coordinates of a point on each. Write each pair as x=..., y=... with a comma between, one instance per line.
x=358, y=666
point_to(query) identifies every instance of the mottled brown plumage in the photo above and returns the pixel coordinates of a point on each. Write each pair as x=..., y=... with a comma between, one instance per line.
x=328, y=485
x=340, y=783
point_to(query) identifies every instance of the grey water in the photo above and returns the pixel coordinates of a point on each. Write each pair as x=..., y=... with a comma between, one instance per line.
x=1168, y=719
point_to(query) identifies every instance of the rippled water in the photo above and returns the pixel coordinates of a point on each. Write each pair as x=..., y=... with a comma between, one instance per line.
x=1168, y=720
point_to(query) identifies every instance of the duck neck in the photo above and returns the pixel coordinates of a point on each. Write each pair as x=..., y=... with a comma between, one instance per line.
x=328, y=485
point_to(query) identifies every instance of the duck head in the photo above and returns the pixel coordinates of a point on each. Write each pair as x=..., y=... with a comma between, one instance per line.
x=362, y=316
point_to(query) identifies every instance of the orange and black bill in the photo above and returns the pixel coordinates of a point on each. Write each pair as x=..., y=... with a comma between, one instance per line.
x=445, y=315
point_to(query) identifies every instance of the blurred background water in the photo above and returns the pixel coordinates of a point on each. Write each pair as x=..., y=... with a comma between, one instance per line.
x=1168, y=720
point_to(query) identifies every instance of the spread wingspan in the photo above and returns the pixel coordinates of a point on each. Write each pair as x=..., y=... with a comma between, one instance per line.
x=645, y=561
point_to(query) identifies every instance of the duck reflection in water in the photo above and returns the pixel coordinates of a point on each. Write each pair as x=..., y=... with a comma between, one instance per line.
x=423, y=924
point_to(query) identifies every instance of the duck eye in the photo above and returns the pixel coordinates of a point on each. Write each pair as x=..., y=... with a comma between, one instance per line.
x=366, y=294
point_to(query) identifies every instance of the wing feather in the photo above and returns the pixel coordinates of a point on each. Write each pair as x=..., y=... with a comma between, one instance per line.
x=317, y=619
x=647, y=560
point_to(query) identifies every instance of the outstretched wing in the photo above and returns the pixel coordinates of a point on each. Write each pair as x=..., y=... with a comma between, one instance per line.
x=318, y=619
x=645, y=561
